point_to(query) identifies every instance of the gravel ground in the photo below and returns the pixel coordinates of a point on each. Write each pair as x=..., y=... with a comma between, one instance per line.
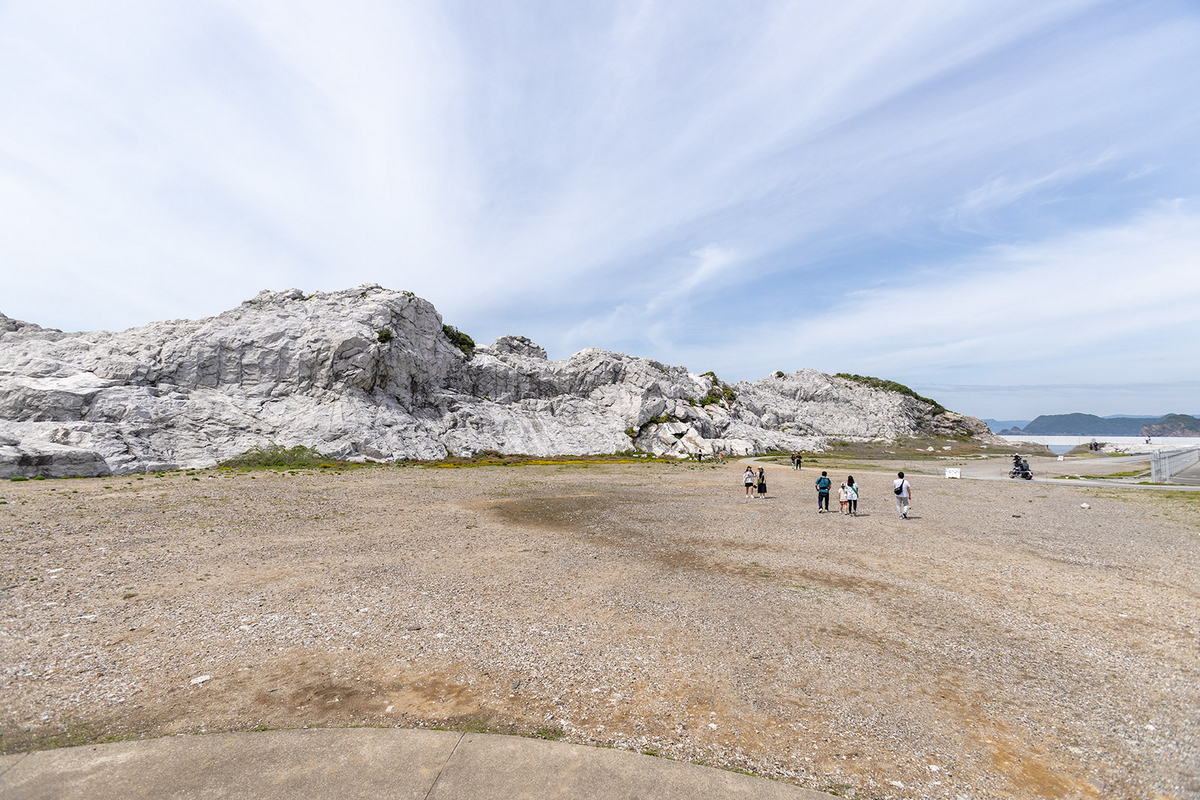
x=1002, y=642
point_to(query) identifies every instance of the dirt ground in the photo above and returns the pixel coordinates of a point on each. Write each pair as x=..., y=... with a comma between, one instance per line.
x=1002, y=642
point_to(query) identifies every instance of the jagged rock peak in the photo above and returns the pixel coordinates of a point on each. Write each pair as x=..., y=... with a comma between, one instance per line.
x=10, y=325
x=518, y=346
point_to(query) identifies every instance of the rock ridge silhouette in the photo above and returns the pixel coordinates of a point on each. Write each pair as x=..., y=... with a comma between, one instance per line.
x=369, y=373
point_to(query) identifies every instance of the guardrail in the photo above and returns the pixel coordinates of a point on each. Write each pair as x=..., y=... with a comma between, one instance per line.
x=1165, y=463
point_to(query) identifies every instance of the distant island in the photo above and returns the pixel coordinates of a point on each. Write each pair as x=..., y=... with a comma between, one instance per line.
x=1091, y=425
x=999, y=425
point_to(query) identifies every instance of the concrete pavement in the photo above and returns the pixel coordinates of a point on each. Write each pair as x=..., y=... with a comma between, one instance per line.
x=367, y=762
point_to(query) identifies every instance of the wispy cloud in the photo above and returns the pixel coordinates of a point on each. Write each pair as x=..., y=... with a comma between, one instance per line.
x=631, y=175
x=1114, y=304
x=658, y=318
x=1004, y=190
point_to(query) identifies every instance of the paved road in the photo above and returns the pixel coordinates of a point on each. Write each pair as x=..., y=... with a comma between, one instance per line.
x=1191, y=475
x=1043, y=468
x=367, y=762
x=996, y=469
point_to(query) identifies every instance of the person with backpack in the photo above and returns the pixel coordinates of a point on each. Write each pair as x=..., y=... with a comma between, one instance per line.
x=903, y=491
x=823, y=483
x=852, y=503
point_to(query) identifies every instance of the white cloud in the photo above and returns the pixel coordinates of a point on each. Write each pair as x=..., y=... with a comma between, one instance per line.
x=681, y=180
x=268, y=143
x=1003, y=190
x=655, y=320
x=1118, y=304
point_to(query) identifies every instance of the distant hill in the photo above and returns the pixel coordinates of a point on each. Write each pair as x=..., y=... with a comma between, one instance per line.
x=1091, y=425
x=1088, y=425
x=997, y=425
x=1174, y=425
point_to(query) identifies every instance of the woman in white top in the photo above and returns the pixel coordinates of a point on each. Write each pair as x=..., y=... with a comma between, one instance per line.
x=748, y=479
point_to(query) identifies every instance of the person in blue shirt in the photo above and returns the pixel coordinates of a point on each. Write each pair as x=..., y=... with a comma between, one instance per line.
x=823, y=483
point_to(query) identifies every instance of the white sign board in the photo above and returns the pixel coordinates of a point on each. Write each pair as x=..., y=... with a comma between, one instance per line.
x=953, y=472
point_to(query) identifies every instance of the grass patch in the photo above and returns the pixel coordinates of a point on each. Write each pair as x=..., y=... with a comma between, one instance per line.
x=1082, y=451
x=493, y=458
x=917, y=448
x=70, y=735
x=277, y=456
x=1137, y=473
x=1182, y=507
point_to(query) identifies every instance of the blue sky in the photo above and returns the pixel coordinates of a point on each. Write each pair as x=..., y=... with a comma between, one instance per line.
x=996, y=203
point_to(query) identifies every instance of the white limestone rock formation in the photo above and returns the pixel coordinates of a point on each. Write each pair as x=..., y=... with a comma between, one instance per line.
x=370, y=373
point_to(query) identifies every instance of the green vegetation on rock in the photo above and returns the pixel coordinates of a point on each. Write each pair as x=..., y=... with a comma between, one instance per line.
x=278, y=456
x=891, y=386
x=460, y=340
x=719, y=391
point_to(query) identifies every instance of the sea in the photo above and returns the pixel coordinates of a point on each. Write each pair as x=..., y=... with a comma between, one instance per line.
x=1134, y=444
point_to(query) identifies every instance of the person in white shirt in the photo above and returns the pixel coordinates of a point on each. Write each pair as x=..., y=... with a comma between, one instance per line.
x=903, y=491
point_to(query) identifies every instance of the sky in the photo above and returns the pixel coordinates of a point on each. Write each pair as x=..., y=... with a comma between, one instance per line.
x=996, y=203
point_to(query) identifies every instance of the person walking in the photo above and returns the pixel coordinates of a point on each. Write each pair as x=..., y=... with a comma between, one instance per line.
x=823, y=483
x=793, y=460
x=903, y=491
x=762, y=483
x=843, y=498
x=748, y=479
x=852, y=489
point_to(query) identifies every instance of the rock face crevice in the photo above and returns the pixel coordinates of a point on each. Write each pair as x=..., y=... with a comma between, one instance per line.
x=370, y=373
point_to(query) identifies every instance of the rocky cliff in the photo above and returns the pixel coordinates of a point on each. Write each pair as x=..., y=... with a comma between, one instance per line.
x=372, y=373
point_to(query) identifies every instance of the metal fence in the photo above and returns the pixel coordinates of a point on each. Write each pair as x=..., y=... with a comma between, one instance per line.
x=1165, y=463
